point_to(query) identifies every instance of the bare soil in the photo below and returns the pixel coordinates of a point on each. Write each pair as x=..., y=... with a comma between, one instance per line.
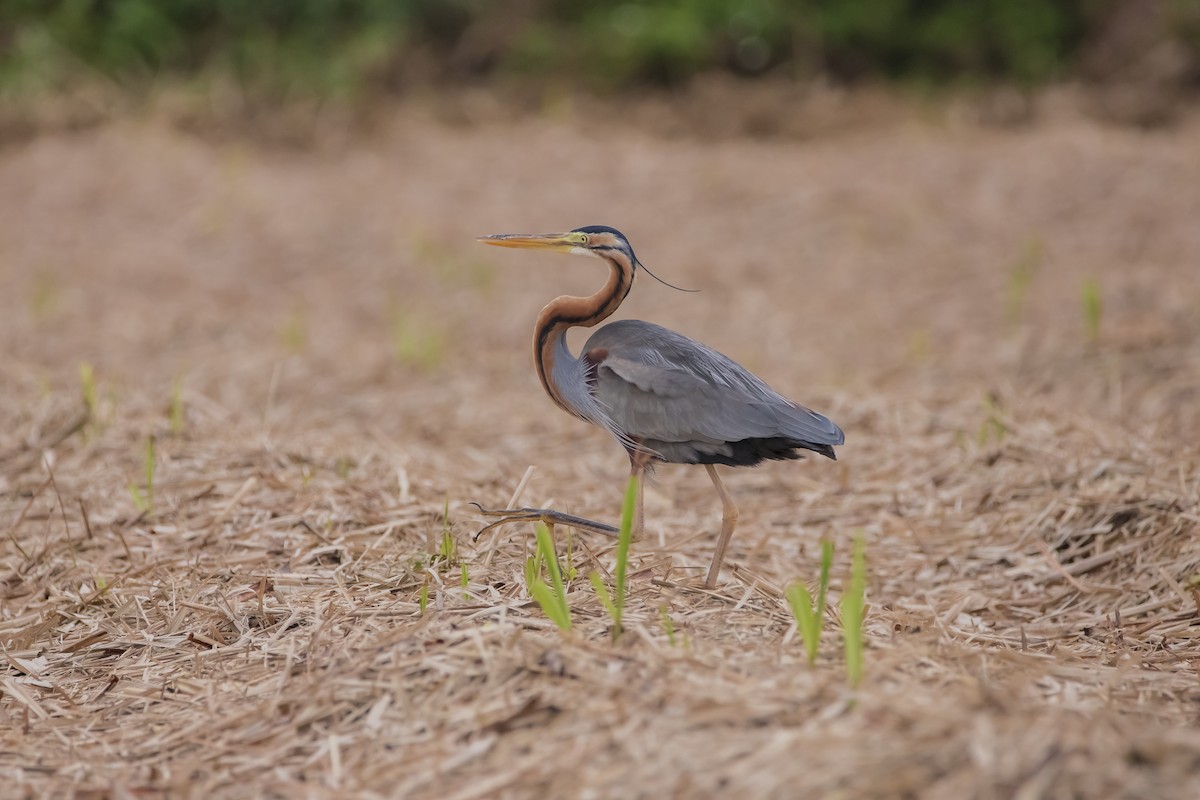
x=328, y=364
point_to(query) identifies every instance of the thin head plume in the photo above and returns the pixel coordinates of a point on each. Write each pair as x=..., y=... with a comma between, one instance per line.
x=664, y=283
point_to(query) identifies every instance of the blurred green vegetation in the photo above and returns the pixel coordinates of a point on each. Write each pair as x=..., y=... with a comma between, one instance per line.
x=343, y=47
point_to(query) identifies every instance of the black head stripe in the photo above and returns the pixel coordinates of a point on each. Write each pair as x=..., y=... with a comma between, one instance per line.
x=600, y=229
x=622, y=241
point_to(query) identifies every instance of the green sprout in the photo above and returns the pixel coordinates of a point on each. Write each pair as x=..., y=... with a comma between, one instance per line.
x=415, y=343
x=144, y=500
x=919, y=347
x=993, y=426
x=1092, y=308
x=447, y=548
x=553, y=597
x=177, y=407
x=572, y=570
x=45, y=294
x=466, y=582
x=294, y=333
x=615, y=605
x=810, y=616
x=87, y=386
x=668, y=624
x=604, y=596
x=853, y=613
x=533, y=568
x=423, y=598
x=1019, y=279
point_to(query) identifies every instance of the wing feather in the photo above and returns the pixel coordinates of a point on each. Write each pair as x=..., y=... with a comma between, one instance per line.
x=658, y=384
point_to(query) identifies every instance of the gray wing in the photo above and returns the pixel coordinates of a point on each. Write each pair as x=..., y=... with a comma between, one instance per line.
x=667, y=389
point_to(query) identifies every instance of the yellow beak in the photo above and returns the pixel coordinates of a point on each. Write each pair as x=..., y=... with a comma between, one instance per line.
x=532, y=241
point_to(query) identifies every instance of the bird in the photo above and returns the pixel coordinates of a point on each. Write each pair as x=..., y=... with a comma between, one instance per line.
x=663, y=396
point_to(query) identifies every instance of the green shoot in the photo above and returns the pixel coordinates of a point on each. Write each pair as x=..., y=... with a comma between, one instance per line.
x=139, y=499
x=533, y=568
x=415, y=343
x=993, y=426
x=552, y=598
x=551, y=607
x=826, y=565
x=853, y=611
x=1019, y=279
x=151, y=461
x=45, y=295
x=87, y=386
x=466, y=581
x=572, y=570
x=810, y=617
x=448, y=549
x=603, y=594
x=668, y=624
x=807, y=621
x=1092, y=308
x=423, y=598
x=614, y=603
x=294, y=334
x=177, y=407
x=918, y=345
x=550, y=557
x=624, y=538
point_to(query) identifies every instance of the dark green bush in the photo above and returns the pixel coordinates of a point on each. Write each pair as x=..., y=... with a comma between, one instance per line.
x=341, y=46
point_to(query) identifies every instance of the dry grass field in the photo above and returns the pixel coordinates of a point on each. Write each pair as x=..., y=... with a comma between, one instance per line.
x=332, y=369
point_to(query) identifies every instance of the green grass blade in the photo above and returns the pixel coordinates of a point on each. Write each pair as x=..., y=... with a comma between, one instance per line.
x=139, y=500
x=549, y=600
x=624, y=537
x=668, y=624
x=1020, y=277
x=177, y=407
x=606, y=599
x=151, y=462
x=545, y=544
x=1092, y=308
x=853, y=605
x=87, y=388
x=823, y=587
x=810, y=614
x=807, y=621
x=533, y=568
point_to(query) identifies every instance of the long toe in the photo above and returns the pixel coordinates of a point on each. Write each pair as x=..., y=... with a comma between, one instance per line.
x=505, y=516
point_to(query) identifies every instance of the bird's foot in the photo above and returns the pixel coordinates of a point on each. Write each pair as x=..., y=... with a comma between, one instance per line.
x=546, y=515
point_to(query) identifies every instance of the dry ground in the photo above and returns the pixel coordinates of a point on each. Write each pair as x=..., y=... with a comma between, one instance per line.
x=349, y=361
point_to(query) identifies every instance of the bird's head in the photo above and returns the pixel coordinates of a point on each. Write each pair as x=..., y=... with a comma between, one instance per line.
x=592, y=240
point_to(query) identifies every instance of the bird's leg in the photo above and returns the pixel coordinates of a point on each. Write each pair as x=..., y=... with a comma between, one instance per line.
x=729, y=519
x=639, y=519
x=638, y=461
x=546, y=515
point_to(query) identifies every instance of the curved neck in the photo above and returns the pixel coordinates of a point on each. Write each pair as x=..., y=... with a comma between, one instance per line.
x=563, y=313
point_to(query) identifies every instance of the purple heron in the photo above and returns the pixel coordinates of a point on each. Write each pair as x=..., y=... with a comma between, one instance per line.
x=663, y=396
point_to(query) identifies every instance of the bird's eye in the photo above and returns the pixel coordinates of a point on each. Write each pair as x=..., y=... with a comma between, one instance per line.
x=583, y=238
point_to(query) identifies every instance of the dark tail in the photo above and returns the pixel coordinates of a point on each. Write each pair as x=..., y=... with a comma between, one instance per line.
x=824, y=449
